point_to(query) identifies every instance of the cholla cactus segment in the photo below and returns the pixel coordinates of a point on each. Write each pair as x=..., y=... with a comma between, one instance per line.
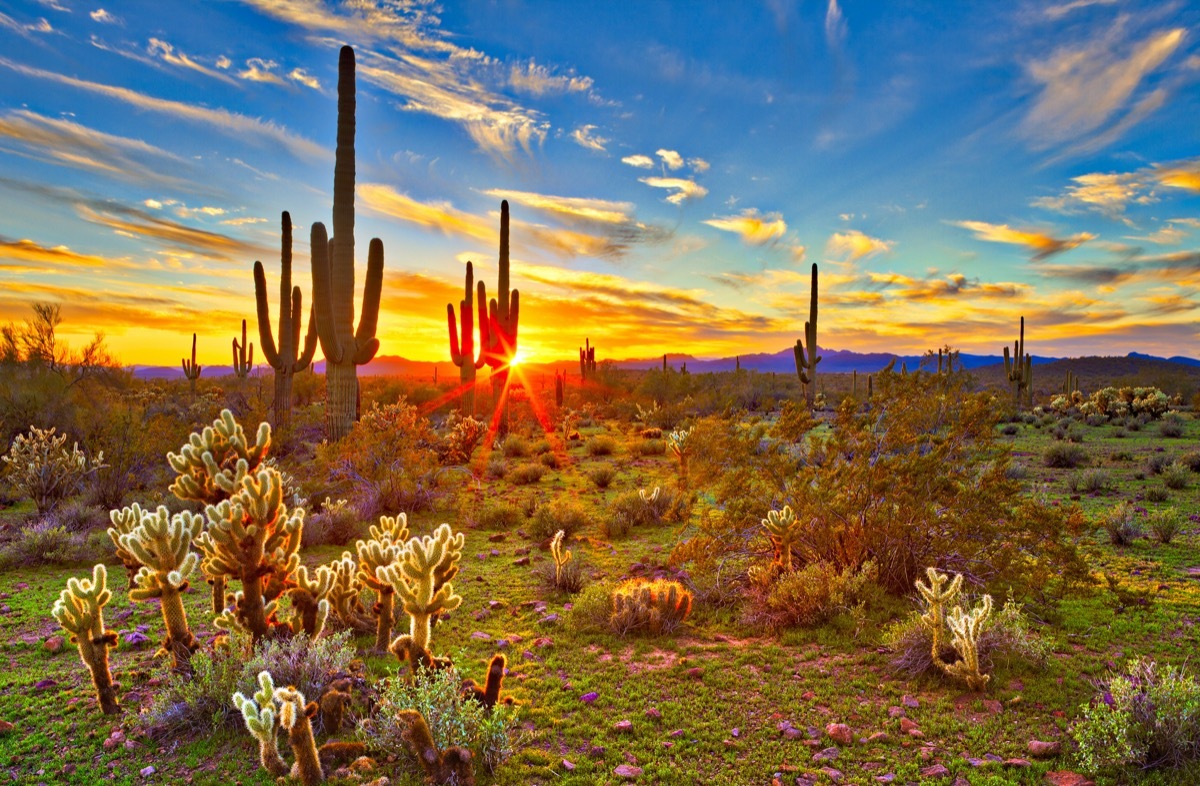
x=784, y=531
x=310, y=600
x=421, y=579
x=655, y=606
x=965, y=628
x=560, y=554
x=345, y=594
x=80, y=611
x=259, y=715
x=209, y=465
x=391, y=529
x=42, y=469
x=374, y=554
x=294, y=716
x=123, y=522
x=677, y=440
x=650, y=498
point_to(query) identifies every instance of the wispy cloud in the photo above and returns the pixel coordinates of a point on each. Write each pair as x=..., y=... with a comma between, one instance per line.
x=105, y=17
x=25, y=28
x=540, y=80
x=640, y=161
x=852, y=245
x=1041, y=243
x=1182, y=174
x=948, y=287
x=1112, y=193
x=260, y=70
x=28, y=256
x=835, y=25
x=682, y=190
x=168, y=54
x=301, y=76
x=753, y=227
x=1091, y=94
x=226, y=122
x=585, y=137
x=597, y=210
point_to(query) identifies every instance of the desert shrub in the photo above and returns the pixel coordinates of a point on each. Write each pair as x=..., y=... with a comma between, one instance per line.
x=1164, y=525
x=542, y=446
x=795, y=420
x=1008, y=639
x=460, y=441
x=602, y=475
x=496, y=468
x=652, y=607
x=1095, y=420
x=617, y=524
x=592, y=608
x=1148, y=716
x=1157, y=463
x=495, y=515
x=390, y=460
x=1010, y=429
x=452, y=719
x=1016, y=472
x=1176, y=476
x=1075, y=433
x=41, y=468
x=188, y=704
x=524, y=474
x=1171, y=427
x=1157, y=494
x=549, y=460
x=47, y=543
x=652, y=447
x=1064, y=456
x=644, y=506
x=1121, y=524
x=570, y=579
x=1121, y=455
x=810, y=595
x=335, y=523
x=1119, y=433
x=78, y=515
x=1091, y=481
x=563, y=513
x=601, y=445
x=514, y=446
x=1191, y=460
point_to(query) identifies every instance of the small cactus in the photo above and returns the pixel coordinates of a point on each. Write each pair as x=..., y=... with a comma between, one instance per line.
x=385, y=547
x=561, y=555
x=243, y=363
x=295, y=715
x=259, y=715
x=784, y=531
x=191, y=369
x=310, y=600
x=80, y=611
x=451, y=766
x=656, y=606
x=489, y=694
x=965, y=627
x=421, y=579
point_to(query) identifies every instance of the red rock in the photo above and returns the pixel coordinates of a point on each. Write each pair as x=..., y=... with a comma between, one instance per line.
x=1067, y=778
x=695, y=672
x=627, y=771
x=808, y=695
x=907, y=726
x=1044, y=750
x=879, y=736
x=6, y=727
x=840, y=733
x=1017, y=762
x=568, y=766
x=895, y=712
x=832, y=774
x=936, y=771
x=992, y=706
x=654, y=713
x=623, y=726
x=910, y=701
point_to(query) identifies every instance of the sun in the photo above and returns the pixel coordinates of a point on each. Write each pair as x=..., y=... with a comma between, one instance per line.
x=521, y=356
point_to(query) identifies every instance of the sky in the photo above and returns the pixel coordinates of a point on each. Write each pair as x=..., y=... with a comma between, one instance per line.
x=673, y=169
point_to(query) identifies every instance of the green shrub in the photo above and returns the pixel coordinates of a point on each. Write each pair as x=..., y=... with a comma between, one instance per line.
x=495, y=515
x=549, y=460
x=1121, y=455
x=1192, y=460
x=1164, y=525
x=811, y=595
x=1064, y=456
x=1176, y=476
x=592, y=608
x=79, y=515
x=1171, y=426
x=390, y=461
x=569, y=580
x=1091, y=481
x=1121, y=525
x=563, y=513
x=515, y=447
x=617, y=524
x=452, y=719
x=1157, y=463
x=496, y=466
x=601, y=446
x=1010, y=429
x=47, y=543
x=602, y=475
x=1148, y=716
x=542, y=446
x=1157, y=494
x=334, y=524
x=524, y=474
x=652, y=447
x=41, y=468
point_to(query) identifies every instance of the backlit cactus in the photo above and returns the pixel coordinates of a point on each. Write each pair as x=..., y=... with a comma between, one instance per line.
x=489, y=694
x=243, y=363
x=1019, y=370
x=462, y=350
x=191, y=369
x=310, y=600
x=783, y=528
x=652, y=606
x=451, y=766
x=286, y=357
x=498, y=322
x=421, y=579
x=965, y=627
x=384, y=548
x=123, y=522
x=561, y=555
x=806, y=356
x=345, y=349
x=587, y=360
x=259, y=716
x=80, y=611
x=295, y=716
x=163, y=544
x=679, y=441
x=345, y=595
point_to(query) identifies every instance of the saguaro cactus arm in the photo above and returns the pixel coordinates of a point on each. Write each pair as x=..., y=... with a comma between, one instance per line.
x=191, y=370
x=243, y=363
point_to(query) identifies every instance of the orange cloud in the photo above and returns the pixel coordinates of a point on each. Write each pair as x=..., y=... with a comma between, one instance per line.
x=754, y=228
x=683, y=190
x=1041, y=243
x=852, y=245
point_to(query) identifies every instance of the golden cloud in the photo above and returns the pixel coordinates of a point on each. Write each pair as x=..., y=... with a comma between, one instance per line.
x=639, y=161
x=754, y=228
x=1041, y=243
x=852, y=245
x=683, y=190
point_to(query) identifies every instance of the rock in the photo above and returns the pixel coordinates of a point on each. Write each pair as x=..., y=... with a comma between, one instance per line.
x=961, y=781
x=588, y=698
x=495, y=604
x=654, y=713
x=549, y=619
x=840, y=733
x=6, y=727
x=910, y=701
x=895, y=712
x=54, y=644
x=888, y=778
x=908, y=726
x=936, y=771
x=597, y=751
x=791, y=733
x=736, y=732
x=808, y=695
x=879, y=736
x=623, y=726
x=481, y=636
x=501, y=644
x=828, y=754
x=1017, y=762
x=136, y=638
x=542, y=642
x=676, y=733
x=522, y=562
x=695, y=672
x=1067, y=778
x=568, y=765
x=627, y=771
x=146, y=772
x=495, y=552
x=1044, y=750
x=497, y=537
x=833, y=775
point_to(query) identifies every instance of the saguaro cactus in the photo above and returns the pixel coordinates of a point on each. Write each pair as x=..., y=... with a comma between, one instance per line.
x=806, y=357
x=191, y=369
x=587, y=360
x=462, y=352
x=286, y=357
x=498, y=321
x=243, y=363
x=80, y=611
x=1019, y=369
x=558, y=389
x=421, y=579
x=345, y=348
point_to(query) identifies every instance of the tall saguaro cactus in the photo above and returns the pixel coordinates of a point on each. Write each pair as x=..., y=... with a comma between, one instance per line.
x=1019, y=370
x=462, y=351
x=286, y=357
x=498, y=323
x=806, y=357
x=242, y=363
x=192, y=370
x=345, y=348
x=587, y=360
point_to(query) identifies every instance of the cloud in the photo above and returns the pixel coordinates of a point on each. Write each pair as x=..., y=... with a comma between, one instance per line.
x=167, y=53
x=1169, y=235
x=639, y=161
x=852, y=245
x=1182, y=174
x=540, y=81
x=224, y=62
x=835, y=25
x=243, y=220
x=1089, y=95
x=174, y=237
x=754, y=228
x=671, y=159
x=584, y=137
x=105, y=18
x=54, y=5
x=1107, y=193
x=41, y=259
x=304, y=78
x=260, y=70
x=684, y=190
x=1041, y=243
x=698, y=165
x=40, y=26
x=70, y=144
x=947, y=287
x=231, y=123
x=595, y=210
x=1055, y=12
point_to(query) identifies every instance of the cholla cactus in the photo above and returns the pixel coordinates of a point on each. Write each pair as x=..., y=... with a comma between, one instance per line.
x=254, y=537
x=560, y=554
x=938, y=596
x=40, y=466
x=383, y=548
x=449, y=766
x=80, y=611
x=259, y=715
x=345, y=594
x=784, y=531
x=162, y=543
x=123, y=522
x=210, y=468
x=310, y=600
x=655, y=606
x=650, y=498
x=678, y=441
x=295, y=715
x=965, y=628
x=421, y=579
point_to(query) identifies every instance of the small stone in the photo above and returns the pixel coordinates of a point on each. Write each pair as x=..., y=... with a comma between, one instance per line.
x=936, y=771
x=828, y=754
x=481, y=636
x=146, y=772
x=654, y=713
x=136, y=638
x=808, y=695
x=895, y=712
x=833, y=775
x=1044, y=750
x=791, y=733
x=992, y=706
x=522, y=562
x=597, y=751
x=676, y=733
x=623, y=726
x=495, y=552
x=588, y=698
x=549, y=619
x=497, y=537
x=501, y=644
x=879, y=736
x=888, y=778
x=54, y=644
x=976, y=762
x=961, y=781
x=736, y=732
x=542, y=642
x=840, y=733
x=527, y=655
x=568, y=765
x=908, y=726
x=495, y=604
x=1067, y=778
x=695, y=672
x=627, y=771
x=910, y=701
x=6, y=727
x=1017, y=762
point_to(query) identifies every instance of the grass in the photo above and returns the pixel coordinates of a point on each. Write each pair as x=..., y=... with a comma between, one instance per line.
x=721, y=691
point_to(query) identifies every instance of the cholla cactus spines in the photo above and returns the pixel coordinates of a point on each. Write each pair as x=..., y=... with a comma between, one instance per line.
x=210, y=467
x=191, y=369
x=123, y=522
x=286, y=357
x=242, y=363
x=259, y=715
x=655, y=606
x=345, y=594
x=380, y=552
x=295, y=715
x=310, y=600
x=679, y=443
x=421, y=579
x=939, y=597
x=650, y=498
x=561, y=555
x=162, y=543
x=80, y=611
x=462, y=351
x=784, y=531
x=965, y=629
x=41, y=467
x=254, y=537
x=390, y=529
x=451, y=766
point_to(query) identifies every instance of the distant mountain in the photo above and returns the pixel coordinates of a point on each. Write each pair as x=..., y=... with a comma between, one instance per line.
x=1173, y=359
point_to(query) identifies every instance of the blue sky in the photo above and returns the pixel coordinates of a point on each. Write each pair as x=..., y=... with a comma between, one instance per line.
x=673, y=169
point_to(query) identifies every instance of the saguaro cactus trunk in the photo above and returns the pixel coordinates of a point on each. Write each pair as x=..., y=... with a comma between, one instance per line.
x=498, y=326
x=462, y=352
x=806, y=357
